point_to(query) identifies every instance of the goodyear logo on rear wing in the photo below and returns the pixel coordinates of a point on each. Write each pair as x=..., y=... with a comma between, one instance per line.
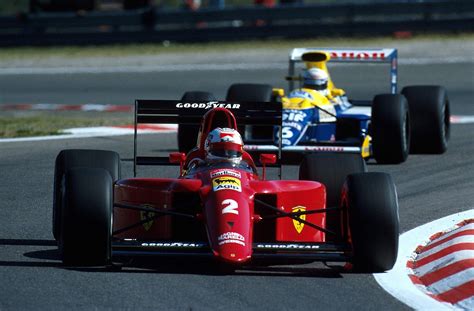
x=225, y=172
x=208, y=105
x=226, y=183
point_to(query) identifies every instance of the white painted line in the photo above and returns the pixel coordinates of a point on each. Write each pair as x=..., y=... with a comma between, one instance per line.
x=89, y=132
x=462, y=119
x=396, y=281
x=142, y=69
x=103, y=131
x=115, y=130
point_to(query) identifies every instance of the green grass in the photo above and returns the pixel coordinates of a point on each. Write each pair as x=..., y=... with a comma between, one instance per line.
x=39, y=125
x=13, y=6
x=71, y=52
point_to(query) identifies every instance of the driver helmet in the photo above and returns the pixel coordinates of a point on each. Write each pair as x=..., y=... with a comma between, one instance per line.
x=316, y=79
x=224, y=144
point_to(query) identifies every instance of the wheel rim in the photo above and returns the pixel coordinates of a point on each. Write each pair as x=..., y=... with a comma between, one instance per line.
x=405, y=134
x=446, y=123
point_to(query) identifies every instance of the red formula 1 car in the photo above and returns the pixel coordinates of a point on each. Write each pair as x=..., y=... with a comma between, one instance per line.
x=230, y=212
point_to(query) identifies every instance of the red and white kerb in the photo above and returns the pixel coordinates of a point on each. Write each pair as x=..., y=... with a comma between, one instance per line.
x=443, y=268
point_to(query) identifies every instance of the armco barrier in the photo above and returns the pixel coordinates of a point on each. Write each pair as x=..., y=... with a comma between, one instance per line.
x=154, y=25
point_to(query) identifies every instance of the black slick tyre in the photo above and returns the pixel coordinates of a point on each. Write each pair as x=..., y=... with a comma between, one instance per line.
x=390, y=128
x=372, y=209
x=188, y=133
x=70, y=158
x=249, y=92
x=252, y=92
x=86, y=218
x=331, y=169
x=430, y=118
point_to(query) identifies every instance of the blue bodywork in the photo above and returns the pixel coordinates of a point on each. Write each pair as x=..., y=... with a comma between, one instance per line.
x=303, y=127
x=350, y=124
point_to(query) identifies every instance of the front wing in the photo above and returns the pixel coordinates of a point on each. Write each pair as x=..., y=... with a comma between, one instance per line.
x=294, y=251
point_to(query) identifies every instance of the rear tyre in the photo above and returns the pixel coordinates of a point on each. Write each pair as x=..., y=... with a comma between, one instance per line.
x=430, y=118
x=68, y=159
x=390, y=128
x=86, y=218
x=249, y=92
x=252, y=92
x=135, y=4
x=372, y=209
x=331, y=169
x=188, y=133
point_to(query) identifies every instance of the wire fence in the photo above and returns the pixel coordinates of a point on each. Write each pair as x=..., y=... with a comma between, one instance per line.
x=240, y=23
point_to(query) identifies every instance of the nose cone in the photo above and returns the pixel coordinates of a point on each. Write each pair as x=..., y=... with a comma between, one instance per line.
x=233, y=247
x=228, y=210
x=230, y=226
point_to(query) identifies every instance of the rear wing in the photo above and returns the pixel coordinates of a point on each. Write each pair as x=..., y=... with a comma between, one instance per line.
x=350, y=56
x=179, y=112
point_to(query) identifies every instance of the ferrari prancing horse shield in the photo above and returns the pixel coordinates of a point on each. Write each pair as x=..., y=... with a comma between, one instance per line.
x=144, y=215
x=299, y=225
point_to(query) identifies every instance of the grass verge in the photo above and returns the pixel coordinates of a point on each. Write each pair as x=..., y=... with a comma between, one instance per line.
x=41, y=125
x=19, y=53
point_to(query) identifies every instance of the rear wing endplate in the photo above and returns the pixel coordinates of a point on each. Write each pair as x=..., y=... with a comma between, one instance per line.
x=350, y=56
x=180, y=112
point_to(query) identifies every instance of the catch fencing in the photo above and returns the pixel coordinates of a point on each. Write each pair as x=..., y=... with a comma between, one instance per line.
x=297, y=21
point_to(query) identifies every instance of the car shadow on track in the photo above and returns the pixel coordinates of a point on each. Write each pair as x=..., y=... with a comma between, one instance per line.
x=211, y=268
x=28, y=242
x=46, y=254
x=50, y=257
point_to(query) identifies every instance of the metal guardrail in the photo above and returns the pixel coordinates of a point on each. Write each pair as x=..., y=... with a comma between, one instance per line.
x=154, y=25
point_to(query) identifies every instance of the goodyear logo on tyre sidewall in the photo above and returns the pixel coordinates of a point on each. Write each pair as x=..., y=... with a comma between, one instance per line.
x=299, y=225
x=226, y=183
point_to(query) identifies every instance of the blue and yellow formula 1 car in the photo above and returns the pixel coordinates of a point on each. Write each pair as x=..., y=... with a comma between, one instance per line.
x=386, y=128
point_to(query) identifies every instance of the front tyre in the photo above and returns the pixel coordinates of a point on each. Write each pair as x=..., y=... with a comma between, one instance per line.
x=86, y=224
x=370, y=200
x=71, y=158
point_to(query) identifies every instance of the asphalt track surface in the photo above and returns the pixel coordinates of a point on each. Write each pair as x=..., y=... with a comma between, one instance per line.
x=31, y=276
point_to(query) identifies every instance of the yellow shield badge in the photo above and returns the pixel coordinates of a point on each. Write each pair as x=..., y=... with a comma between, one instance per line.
x=144, y=215
x=299, y=225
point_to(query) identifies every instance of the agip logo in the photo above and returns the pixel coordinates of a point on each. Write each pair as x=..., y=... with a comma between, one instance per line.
x=297, y=224
x=226, y=183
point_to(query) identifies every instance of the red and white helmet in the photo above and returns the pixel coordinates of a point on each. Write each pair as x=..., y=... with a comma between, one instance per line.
x=224, y=144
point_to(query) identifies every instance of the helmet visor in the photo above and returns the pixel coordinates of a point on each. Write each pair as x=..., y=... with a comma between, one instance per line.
x=316, y=84
x=226, y=153
x=320, y=87
x=225, y=150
